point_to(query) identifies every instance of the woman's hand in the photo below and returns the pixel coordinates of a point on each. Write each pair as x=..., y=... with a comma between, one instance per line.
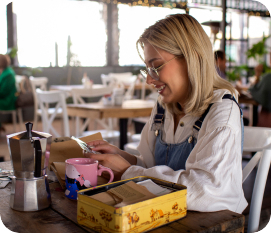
x=103, y=147
x=106, y=148
x=113, y=161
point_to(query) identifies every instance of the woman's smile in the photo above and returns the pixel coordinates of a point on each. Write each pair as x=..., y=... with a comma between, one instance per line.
x=160, y=88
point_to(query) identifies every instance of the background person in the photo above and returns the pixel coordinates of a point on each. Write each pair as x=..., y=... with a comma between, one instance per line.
x=252, y=80
x=199, y=142
x=261, y=92
x=261, y=88
x=220, y=62
x=7, y=86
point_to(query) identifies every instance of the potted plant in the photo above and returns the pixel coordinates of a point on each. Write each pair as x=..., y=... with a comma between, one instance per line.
x=258, y=50
x=236, y=72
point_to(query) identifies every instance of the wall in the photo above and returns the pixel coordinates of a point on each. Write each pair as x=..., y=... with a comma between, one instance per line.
x=58, y=76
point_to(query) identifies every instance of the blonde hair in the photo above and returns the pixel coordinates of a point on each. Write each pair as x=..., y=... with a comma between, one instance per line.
x=182, y=35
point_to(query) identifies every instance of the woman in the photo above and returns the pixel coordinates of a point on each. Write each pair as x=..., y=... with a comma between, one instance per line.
x=7, y=86
x=199, y=141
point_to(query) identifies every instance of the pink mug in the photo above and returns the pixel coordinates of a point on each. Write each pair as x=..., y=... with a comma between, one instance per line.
x=82, y=173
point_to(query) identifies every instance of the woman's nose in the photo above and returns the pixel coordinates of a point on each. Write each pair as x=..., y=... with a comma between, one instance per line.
x=149, y=80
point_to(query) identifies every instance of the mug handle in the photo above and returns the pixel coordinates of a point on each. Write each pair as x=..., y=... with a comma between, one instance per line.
x=101, y=168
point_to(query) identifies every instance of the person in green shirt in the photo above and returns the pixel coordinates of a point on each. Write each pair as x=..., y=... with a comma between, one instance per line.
x=7, y=86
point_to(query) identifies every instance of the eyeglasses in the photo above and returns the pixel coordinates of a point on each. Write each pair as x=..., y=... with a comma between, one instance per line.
x=153, y=72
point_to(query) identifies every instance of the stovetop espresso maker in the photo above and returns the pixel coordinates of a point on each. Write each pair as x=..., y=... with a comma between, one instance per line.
x=29, y=153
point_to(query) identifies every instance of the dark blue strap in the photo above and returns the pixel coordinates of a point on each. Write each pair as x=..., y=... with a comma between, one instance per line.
x=198, y=123
x=231, y=97
x=159, y=117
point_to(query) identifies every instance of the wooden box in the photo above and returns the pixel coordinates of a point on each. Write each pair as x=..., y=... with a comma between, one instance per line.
x=138, y=217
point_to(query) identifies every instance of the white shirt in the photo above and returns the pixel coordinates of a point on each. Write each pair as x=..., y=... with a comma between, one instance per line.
x=213, y=174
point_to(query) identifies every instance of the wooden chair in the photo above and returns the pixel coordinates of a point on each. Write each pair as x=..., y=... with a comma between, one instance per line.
x=257, y=139
x=120, y=75
x=121, y=80
x=107, y=80
x=108, y=133
x=59, y=99
x=41, y=83
x=16, y=112
x=111, y=78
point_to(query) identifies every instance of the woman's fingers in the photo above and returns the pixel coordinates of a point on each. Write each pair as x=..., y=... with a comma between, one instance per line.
x=97, y=143
x=113, y=161
x=103, y=147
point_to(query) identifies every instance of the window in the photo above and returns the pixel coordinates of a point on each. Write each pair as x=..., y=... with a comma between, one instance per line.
x=256, y=34
x=43, y=29
x=133, y=20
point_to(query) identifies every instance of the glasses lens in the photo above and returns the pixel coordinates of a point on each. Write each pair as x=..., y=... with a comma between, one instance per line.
x=153, y=74
x=144, y=73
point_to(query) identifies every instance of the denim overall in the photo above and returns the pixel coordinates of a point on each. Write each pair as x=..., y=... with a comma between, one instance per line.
x=175, y=155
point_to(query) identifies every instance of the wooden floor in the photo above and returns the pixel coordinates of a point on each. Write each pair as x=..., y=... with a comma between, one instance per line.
x=247, y=186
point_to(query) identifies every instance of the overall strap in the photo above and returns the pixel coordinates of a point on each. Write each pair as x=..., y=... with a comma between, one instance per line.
x=198, y=123
x=231, y=97
x=159, y=116
x=158, y=119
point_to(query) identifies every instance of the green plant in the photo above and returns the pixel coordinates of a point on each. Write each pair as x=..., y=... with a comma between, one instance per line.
x=236, y=72
x=258, y=50
x=12, y=52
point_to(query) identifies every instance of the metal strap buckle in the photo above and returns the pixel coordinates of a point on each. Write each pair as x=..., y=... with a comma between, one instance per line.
x=157, y=118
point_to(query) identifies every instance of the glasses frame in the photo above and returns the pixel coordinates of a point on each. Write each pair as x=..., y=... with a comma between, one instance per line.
x=149, y=70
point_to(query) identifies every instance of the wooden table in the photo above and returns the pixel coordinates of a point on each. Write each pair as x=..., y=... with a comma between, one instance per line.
x=136, y=108
x=61, y=216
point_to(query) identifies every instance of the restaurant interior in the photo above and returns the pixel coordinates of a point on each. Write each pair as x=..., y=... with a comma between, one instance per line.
x=76, y=46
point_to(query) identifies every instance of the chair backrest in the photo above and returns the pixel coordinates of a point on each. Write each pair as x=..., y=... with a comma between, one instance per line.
x=41, y=83
x=38, y=82
x=19, y=81
x=131, y=81
x=79, y=94
x=257, y=139
x=53, y=97
x=117, y=79
x=122, y=80
x=120, y=75
x=107, y=80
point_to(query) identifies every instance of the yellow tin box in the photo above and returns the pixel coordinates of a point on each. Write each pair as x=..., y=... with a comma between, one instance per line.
x=138, y=217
